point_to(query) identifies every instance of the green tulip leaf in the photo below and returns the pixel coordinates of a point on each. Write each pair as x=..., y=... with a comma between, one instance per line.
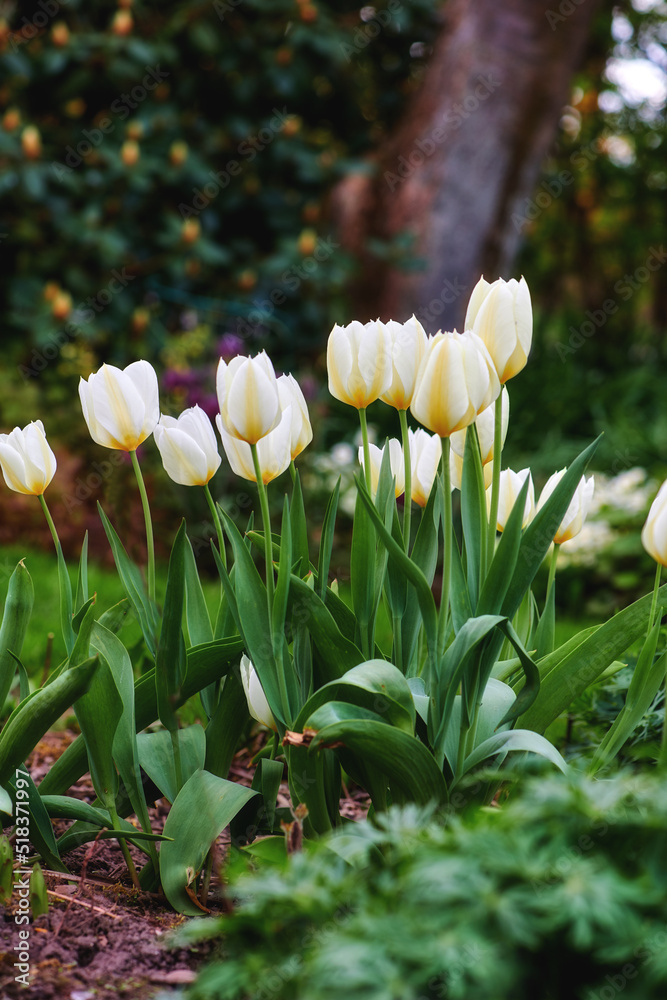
x=15, y=618
x=156, y=757
x=202, y=809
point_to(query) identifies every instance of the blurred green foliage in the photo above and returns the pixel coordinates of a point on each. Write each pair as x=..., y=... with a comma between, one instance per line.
x=559, y=893
x=169, y=164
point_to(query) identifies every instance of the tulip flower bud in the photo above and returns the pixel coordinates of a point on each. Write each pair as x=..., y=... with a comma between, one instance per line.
x=290, y=394
x=395, y=460
x=258, y=706
x=359, y=362
x=121, y=408
x=273, y=450
x=425, y=455
x=31, y=142
x=486, y=425
x=654, y=532
x=501, y=314
x=28, y=464
x=248, y=397
x=575, y=514
x=456, y=381
x=408, y=343
x=188, y=447
x=510, y=487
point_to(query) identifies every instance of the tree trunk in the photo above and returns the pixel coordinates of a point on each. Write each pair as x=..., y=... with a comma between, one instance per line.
x=456, y=176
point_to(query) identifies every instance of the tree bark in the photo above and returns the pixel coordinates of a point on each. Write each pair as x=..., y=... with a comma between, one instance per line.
x=456, y=176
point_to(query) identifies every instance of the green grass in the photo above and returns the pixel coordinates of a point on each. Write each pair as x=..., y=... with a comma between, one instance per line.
x=46, y=610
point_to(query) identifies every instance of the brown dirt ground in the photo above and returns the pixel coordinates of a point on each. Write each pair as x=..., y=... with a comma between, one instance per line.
x=102, y=939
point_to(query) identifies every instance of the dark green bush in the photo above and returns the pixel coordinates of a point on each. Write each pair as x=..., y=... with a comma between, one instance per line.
x=560, y=893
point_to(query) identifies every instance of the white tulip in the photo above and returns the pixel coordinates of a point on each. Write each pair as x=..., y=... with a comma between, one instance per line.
x=248, y=397
x=359, y=362
x=28, y=463
x=486, y=425
x=273, y=450
x=258, y=706
x=501, y=314
x=577, y=510
x=510, y=487
x=188, y=447
x=290, y=394
x=121, y=407
x=396, y=462
x=408, y=342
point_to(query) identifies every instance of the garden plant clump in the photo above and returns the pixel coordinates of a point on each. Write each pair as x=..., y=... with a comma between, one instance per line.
x=438, y=716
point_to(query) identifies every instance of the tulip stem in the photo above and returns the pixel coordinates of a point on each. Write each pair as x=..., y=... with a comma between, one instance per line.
x=407, y=496
x=447, y=549
x=266, y=522
x=218, y=525
x=49, y=521
x=552, y=568
x=124, y=848
x=654, y=602
x=150, y=543
x=367, y=451
x=495, y=482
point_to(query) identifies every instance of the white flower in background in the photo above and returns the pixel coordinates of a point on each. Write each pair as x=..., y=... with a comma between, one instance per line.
x=188, y=447
x=425, y=456
x=511, y=484
x=395, y=460
x=258, y=706
x=28, y=463
x=577, y=510
x=273, y=450
x=301, y=433
x=485, y=424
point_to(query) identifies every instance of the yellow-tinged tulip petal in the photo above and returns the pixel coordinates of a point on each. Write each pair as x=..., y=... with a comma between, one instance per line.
x=425, y=456
x=395, y=461
x=121, y=407
x=503, y=319
x=290, y=394
x=408, y=343
x=456, y=471
x=188, y=447
x=486, y=424
x=654, y=532
x=248, y=397
x=479, y=293
x=510, y=487
x=359, y=362
x=273, y=450
x=455, y=382
x=575, y=514
x=28, y=463
x=258, y=706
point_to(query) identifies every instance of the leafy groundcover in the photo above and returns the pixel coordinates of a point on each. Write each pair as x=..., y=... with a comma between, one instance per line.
x=559, y=893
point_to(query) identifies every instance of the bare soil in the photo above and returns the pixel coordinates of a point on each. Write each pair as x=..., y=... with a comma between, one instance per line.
x=102, y=939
